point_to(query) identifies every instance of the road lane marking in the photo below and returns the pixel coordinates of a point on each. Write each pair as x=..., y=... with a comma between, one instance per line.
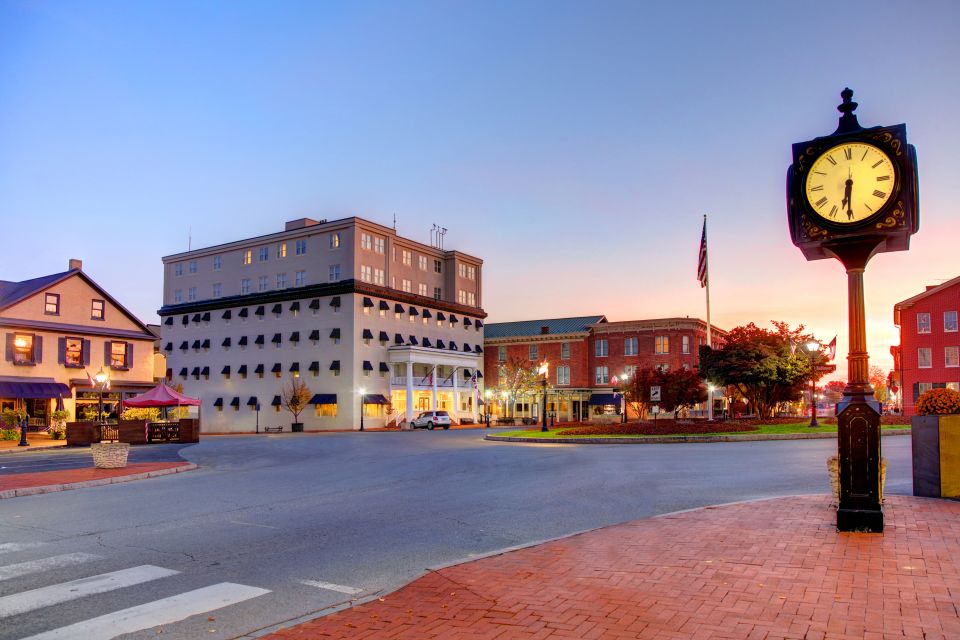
x=45, y=564
x=152, y=614
x=253, y=524
x=7, y=547
x=352, y=591
x=55, y=594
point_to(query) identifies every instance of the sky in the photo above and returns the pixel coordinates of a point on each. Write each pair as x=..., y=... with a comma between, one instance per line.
x=573, y=146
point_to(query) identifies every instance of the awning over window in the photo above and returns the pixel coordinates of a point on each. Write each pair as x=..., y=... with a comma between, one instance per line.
x=206, y=317
x=184, y=345
x=441, y=315
x=242, y=341
x=277, y=309
x=260, y=310
x=315, y=304
x=226, y=370
x=335, y=333
x=427, y=314
x=441, y=344
x=277, y=368
x=34, y=390
x=479, y=374
x=602, y=399
x=169, y=347
x=314, y=366
x=252, y=402
x=467, y=322
x=276, y=401
x=383, y=336
x=335, y=365
x=384, y=306
x=367, y=334
x=413, y=340
x=384, y=367
x=453, y=346
x=185, y=321
x=183, y=372
x=259, y=339
x=205, y=371
x=397, y=338
x=324, y=398
x=168, y=321
x=196, y=372
x=295, y=336
x=276, y=338
x=367, y=302
x=315, y=334
x=196, y=317
x=294, y=366
x=243, y=313
x=242, y=369
x=398, y=308
x=426, y=342
x=453, y=318
x=414, y=312
x=375, y=398
x=335, y=301
x=466, y=347
x=477, y=349
x=295, y=306
x=225, y=343
x=258, y=369
x=227, y=315
x=367, y=366
x=218, y=402
x=206, y=344
x=479, y=324
x=235, y=402
x=196, y=344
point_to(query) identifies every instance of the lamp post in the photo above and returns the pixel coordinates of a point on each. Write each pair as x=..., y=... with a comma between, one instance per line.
x=624, y=379
x=23, y=431
x=363, y=396
x=544, y=372
x=486, y=405
x=710, y=390
x=813, y=348
x=258, y=417
x=101, y=379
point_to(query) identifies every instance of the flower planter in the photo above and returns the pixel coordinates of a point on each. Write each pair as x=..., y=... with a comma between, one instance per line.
x=296, y=427
x=935, y=443
x=833, y=468
x=110, y=455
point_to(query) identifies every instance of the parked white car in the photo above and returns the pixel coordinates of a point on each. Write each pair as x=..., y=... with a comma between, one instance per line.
x=431, y=419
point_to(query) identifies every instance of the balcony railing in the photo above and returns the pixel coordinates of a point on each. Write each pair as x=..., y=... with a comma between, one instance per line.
x=421, y=382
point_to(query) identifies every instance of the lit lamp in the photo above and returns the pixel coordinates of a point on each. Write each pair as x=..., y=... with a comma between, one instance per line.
x=363, y=396
x=486, y=405
x=544, y=372
x=102, y=379
x=624, y=378
x=813, y=348
x=710, y=390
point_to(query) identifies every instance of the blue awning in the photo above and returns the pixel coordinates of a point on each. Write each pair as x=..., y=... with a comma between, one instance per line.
x=602, y=399
x=375, y=398
x=34, y=390
x=324, y=398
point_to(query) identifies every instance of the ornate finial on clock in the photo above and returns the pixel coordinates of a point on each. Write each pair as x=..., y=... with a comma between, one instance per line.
x=848, y=121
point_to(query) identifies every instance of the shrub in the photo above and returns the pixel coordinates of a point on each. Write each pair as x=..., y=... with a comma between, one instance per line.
x=149, y=414
x=9, y=434
x=57, y=432
x=11, y=419
x=938, y=402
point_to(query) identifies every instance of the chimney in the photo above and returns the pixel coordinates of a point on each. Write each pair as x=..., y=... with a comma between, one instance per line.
x=544, y=330
x=75, y=264
x=301, y=223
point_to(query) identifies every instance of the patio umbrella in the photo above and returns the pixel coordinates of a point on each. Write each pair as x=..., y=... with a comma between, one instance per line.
x=59, y=403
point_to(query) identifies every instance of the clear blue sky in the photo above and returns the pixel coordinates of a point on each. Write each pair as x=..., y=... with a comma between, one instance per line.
x=573, y=146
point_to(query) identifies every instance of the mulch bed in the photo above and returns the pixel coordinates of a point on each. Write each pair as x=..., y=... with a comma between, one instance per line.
x=658, y=428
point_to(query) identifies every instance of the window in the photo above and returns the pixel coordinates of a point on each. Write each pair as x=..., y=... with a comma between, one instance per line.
x=923, y=323
x=23, y=348
x=263, y=283
x=533, y=353
x=379, y=277
x=52, y=304
x=685, y=344
x=97, y=309
x=407, y=257
x=378, y=245
x=264, y=254
x=423, y=262
x=951, y=356
x=502, y=354
x=565, y=351
x=301, y=247
x=217, y=262
x=472, y=273
x=630, y=346
x=436, y=293
x=178, y=269
x=628, y=371
x=602, y=376
x=366, y=273
x=281, y=281
x=437, y=266
x=461, y=296
x=923, y=387
x=73, y=352
x=563, y=374
x=216, y=289
x=192, y=266
x=406, y=285
x=462, y=270
x=335, y=240
x=248, y=256
x=300, y=278
x=471, y=299
x=334, y=272
x=950, y=321
x=178, y=296
x=663, y=367
x=281, y=250
x=118, y=355
x=192, y=294
x=924, y=358
x=953, y=385
x=366, y=241
x=661, y=344
x=325, y=410
x=600, y=349
x=421, y=289
x=245, y=286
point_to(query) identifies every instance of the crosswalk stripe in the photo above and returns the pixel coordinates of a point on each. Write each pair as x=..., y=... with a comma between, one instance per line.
x=332, y=587
x=152, y=614
x=7, y=547
x=44, y=564
x=55, y=594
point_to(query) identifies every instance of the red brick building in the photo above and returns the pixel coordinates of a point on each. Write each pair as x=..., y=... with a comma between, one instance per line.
x=587, y=356
x=929, y=351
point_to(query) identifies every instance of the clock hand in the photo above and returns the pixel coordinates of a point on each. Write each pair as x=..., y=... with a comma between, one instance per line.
x=847, y=200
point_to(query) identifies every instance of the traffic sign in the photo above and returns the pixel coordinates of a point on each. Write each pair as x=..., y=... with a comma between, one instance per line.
x=654, y=394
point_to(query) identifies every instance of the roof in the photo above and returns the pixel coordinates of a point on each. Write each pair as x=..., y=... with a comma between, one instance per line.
x=931, y=291
x=12, y=292
x=531, y=328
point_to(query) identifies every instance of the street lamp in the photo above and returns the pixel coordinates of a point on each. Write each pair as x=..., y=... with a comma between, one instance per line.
x=486, y=405
x=624, y=378
x=813, y=348
x=544, y=371
x=102, y=380
x=363, y=396
x=710, y=390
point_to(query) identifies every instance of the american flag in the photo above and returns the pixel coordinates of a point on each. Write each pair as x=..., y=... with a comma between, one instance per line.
x=702, y=262
x=474, y=378
x=832, y=348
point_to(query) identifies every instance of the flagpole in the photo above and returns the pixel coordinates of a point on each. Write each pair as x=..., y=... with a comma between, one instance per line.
x=706, y=264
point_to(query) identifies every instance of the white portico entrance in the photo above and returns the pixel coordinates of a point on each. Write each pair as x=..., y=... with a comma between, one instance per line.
x=425, y=379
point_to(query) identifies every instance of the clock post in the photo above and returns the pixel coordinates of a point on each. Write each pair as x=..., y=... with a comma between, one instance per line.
x=850, y=195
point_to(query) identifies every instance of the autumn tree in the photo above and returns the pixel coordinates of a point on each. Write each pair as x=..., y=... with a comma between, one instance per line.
x=295, y=396
x=637, y=390
x=767, y=366
x=679, y=389
x=878, y=380
x=833, y=391
x=518, y=377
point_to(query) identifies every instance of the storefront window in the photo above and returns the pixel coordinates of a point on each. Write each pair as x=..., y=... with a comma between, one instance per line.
x=23, y=349
x=326, y=410
x=118, y=354
x=73, y=356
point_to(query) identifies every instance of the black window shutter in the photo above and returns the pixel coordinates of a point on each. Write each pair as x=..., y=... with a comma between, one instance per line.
x=61, y=350
x=939, y=385
x=128, y=356
x=85, y=352
x=37, y=349
x=106, y=353
x=916, y=391
x=9, y=353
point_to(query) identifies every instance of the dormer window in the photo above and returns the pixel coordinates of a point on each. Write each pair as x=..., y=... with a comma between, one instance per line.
x=52, y=304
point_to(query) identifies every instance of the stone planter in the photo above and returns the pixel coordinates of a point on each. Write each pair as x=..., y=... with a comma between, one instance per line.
x=935, y=442
x=110, y=455
x=833, y=468
x=296, y=427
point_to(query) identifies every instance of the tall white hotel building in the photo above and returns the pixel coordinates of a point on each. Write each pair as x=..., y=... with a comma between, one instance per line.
x=345, y=305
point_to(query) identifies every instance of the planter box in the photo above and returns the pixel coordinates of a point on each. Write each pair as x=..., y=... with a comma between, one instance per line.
x=81, y=433
x=189, y=430
x=110, y=455
x=296, y=427
x=936, y=456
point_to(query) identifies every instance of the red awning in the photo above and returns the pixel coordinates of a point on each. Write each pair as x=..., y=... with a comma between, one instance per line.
x=161, y=396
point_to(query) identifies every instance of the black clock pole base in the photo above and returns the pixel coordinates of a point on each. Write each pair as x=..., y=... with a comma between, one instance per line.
x=860, y=520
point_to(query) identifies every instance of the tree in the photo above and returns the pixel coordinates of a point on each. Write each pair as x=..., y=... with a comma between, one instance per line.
x=767, y=367
x=637, y=390
x=833, y=391
x=518, y=378
x=678, y=389
x=295, y=396
x=878, y=379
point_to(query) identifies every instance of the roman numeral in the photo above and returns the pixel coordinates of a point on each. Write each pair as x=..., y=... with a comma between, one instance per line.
x=877, y=163
x=820, y=173
x=822, y=201
x=882, y=178
x=848, y=153
x=864, y=156
x=869, y=208
x=819, y=187
x=833, y=211
x=832, y=161
x=879, y=194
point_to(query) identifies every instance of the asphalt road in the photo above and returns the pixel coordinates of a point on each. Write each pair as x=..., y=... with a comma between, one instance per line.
x=63, y=458
x=290, y=525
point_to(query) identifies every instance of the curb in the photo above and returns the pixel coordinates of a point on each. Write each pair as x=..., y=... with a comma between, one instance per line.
x=35, y=449
x=683, y=439
x=53, y=488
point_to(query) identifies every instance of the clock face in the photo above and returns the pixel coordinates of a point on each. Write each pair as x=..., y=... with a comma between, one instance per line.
x=850, y=182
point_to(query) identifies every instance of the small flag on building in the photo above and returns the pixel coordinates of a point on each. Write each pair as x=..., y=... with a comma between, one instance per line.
x=832, y=348
x=89, y=378
x=702, y=262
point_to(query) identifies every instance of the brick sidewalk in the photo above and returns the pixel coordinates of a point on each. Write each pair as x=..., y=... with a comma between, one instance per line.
x=762, y=570
x=11, y=484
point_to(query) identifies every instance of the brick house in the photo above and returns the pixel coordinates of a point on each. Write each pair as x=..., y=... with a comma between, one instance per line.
x=928, y=356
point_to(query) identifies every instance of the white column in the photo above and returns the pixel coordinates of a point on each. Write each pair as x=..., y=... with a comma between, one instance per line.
x=474, y=398
x=456, y=403
x=409, y=394
x=436, y=374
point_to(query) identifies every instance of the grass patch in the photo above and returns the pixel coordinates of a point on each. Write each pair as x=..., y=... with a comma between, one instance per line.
x=761, y=429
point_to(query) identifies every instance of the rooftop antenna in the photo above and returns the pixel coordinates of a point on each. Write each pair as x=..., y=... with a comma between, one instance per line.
x=190, y=238
x=441, y=233
x=433, y=234
x=394, y=221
